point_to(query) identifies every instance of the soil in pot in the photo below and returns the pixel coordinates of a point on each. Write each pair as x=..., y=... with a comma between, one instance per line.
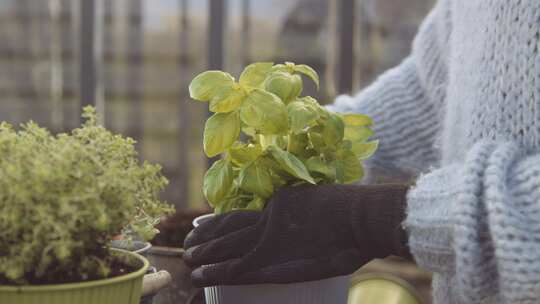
x=118, y=265
x=174, y=229
x=125, y=287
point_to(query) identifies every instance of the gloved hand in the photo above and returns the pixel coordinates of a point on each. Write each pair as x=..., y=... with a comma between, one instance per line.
x=304, y=233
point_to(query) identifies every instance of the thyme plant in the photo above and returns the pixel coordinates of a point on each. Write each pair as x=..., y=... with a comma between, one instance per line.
x=63, y=197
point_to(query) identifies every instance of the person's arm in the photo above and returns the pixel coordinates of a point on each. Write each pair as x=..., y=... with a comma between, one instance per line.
x=406, y=102
x=480, y=220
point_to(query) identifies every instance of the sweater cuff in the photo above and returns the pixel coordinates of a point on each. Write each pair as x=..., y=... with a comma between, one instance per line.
x=428, y=220
x=437, y=206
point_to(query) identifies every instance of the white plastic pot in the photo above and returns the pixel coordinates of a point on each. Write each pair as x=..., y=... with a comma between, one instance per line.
x=329, y=291
x=139, y=247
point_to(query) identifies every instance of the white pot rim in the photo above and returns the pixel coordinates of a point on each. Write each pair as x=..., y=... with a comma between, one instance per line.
x=198, y=220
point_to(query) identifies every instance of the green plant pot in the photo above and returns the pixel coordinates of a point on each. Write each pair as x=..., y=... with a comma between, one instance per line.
x=382, y=288
x=125, y=289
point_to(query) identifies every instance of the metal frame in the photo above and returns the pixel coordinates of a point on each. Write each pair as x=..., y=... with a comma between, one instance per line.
x=182, y=185
x=135, y=59
x=87, y=62
x=217, y=12
x=346, y=25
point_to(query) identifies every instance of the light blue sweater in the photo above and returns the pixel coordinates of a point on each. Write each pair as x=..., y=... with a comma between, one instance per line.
x=464, y=111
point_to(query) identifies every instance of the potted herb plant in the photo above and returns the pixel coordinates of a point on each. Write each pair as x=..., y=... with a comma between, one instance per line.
x=270, y=137
x=62, y=199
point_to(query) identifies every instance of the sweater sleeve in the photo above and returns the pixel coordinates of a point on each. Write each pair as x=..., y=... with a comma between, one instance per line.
x=406, y=102
x=480, y=220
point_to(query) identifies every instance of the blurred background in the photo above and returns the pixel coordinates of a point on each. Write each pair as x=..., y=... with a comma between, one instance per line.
x=134, y=59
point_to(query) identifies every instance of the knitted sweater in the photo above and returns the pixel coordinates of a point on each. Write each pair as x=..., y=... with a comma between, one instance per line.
x=464, y=111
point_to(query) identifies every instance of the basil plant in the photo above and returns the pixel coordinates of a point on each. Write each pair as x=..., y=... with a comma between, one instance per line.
x=271, y=136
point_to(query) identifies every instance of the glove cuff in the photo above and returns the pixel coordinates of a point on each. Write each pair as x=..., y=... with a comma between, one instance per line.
x=377, y=214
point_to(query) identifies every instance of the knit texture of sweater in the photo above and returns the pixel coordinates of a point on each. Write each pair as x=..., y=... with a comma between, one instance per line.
x=463, y=111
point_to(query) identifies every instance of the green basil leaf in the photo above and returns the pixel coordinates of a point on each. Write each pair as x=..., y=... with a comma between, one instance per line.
x=312, y=102
x=334, y=129
x=301, y=115
x=278, y=181
x=265, y=112
x=348, y=167
x=284, y=85
x=272, y=140
x=308, y=71
x=218, y=181
x=227, y=100
x=340, y=171
x=255, y=74
x=277, y=172
x=257, y=204
x=228, y=205
x=298, y=144
x=220, y=132
x=242, y=153
x=316, y=141
x=249, y=131
x=282, y=68
x=357, y=134
x=281, y=141
x=256, y=179
x=316, y=164
x=357, y=120
x=346, y=144
x=365, y=150
x=208, y=84
x=291, y=164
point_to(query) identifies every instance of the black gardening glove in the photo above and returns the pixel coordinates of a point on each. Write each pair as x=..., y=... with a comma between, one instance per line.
x=305, y=233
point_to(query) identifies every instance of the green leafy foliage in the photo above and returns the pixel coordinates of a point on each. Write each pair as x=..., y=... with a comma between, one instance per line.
x=287, y=139
x=63, y=197
x=291, y=164
x=242, y=154
x=309, y=72
x=286, y=86
x=265, y=112
x=292, y=68
x=333, y=130
x=301, y=115
x=255, y=74
x=256, y=179
x=228, y=99
x=218, y=181
x=209, y=84
x=220, y=132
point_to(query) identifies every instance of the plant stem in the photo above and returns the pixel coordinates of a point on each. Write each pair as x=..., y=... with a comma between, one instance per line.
x=262, y=141
x=289, y=144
